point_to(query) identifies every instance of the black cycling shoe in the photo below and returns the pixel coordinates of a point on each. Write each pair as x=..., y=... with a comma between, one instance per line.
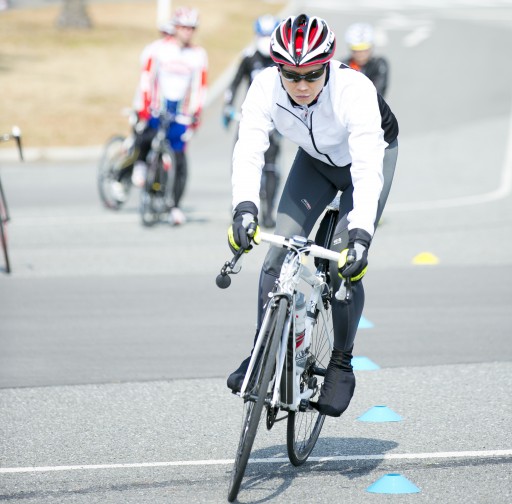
x=236, y=378
x=337, y=391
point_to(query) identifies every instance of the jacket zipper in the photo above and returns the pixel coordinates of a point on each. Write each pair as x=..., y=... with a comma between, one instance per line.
x=310, y=129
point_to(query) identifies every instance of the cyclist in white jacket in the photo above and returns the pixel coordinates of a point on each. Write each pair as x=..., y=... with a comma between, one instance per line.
x=347, y=141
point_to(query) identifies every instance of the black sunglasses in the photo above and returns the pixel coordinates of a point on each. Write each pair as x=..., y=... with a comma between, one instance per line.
x=308, y=77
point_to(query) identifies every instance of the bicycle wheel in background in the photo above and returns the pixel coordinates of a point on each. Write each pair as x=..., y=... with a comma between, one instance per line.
x=257, y=390
x=3, y=235
x=152, y=195
x=168, y=160
x=115, y=158
x=304, y=427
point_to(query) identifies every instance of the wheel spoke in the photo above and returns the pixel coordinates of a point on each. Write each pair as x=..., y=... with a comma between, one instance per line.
x=259, y=384
x=304, y=426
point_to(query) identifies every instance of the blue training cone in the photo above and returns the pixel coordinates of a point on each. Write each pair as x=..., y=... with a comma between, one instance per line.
x=364, y=364
x=380, y=414
x=364, y=323
x=393, y=484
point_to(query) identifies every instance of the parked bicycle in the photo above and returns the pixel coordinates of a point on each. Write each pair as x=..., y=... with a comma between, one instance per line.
x=15, y=134
x=157, y=194
x=288, y=363
x=115, y=168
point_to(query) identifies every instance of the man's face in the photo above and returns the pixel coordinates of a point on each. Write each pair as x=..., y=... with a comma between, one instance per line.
x=184, y=34
x=361, y=57
x=303, y=92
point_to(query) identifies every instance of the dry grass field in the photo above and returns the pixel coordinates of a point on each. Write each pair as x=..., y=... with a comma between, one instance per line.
x=68, y=87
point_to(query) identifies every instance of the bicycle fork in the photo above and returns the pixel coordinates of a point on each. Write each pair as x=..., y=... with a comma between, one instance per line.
x=258, y=345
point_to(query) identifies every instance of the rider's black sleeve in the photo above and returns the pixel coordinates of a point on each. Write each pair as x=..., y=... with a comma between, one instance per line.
x=242, y=73
x=388, y=121
x=377, y=70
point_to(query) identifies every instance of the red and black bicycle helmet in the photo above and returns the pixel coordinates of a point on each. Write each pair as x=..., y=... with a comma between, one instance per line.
x=302, y=41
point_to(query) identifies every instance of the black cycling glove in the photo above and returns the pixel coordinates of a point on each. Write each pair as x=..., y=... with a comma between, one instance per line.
x=244, y=228
x=358, y=244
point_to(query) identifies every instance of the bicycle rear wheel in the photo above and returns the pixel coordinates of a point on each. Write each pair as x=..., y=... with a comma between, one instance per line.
x=114, y=160
x=168, y=161
x=154, y=198
x=257, y=391
x=304, y=426
x=149, y=194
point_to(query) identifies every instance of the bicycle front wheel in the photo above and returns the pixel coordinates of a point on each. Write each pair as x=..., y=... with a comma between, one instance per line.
x=114, y=166
x=305, y=424
x=256, y=394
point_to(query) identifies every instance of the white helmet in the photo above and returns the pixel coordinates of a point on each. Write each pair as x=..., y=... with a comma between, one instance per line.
x=167, y=28
x=183, y=16
x=359, y=36
x=265, y=25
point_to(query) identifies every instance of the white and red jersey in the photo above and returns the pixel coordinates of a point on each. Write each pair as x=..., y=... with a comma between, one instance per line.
x=173, y=73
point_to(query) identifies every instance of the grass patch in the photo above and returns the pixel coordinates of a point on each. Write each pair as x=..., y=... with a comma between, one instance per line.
x=68, y=87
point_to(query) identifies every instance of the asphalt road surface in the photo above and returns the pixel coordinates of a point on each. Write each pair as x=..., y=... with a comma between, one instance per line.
x=115, y=342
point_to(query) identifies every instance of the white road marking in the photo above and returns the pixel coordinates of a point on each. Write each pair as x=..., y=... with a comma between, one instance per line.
x=417, y=36
x=502, y=191
x=341, y=458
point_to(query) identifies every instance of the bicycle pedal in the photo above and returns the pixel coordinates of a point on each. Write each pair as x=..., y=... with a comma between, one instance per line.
x=305, y=405
x=312, y=382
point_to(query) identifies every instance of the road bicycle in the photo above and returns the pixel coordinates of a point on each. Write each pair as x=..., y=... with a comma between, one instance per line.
x=157, y=194
x=15, y=134
x=287, y=367
x=116, y=166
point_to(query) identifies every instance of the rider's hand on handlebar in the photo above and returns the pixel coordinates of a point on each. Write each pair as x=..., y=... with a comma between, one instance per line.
x=358, y=244
x=244, y=228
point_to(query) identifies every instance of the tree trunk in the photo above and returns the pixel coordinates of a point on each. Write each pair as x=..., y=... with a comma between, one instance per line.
x=74, y=15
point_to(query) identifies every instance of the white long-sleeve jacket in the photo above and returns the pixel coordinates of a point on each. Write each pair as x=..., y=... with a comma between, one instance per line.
x=344, y=127
x=174, y=73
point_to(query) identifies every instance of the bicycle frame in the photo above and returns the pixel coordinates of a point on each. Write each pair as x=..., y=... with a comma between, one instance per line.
x=293, y=270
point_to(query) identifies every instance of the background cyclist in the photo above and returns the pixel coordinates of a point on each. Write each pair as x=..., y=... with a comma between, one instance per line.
x=173, y=77
x=360, y=41
x=255, y=59
x=347, y=141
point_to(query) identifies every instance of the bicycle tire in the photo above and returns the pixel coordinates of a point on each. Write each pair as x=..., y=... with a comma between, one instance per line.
x=4, y=210
x=3, y=236
x=112, y=161
x=257, y=387
x=304, y=427
x=155, y=200
x=148, y=210
x=168, y=160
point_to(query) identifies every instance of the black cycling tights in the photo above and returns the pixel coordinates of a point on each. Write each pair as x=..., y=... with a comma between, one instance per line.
x=180, y=180
x=310, y=187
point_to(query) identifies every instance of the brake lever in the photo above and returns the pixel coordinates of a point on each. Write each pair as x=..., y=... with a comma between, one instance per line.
x=223, y=279
x=344, y=293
